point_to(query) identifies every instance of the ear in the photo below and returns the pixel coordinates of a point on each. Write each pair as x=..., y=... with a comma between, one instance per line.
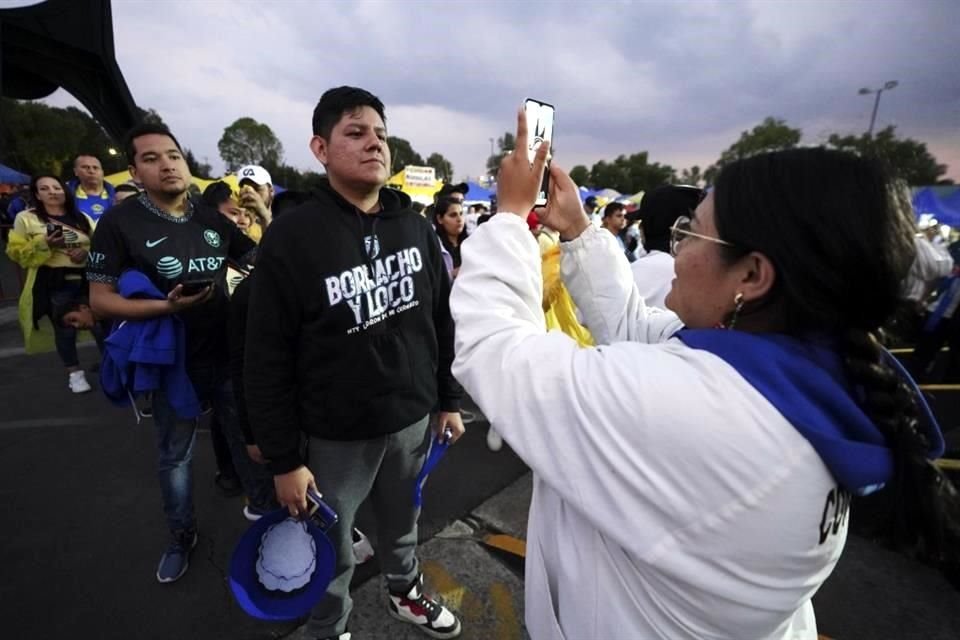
x=319, y=148
x=758, y=276
x=133, y=172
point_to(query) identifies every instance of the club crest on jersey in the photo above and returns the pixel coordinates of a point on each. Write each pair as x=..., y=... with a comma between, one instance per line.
x=371, y=244
x=212, y=238
x=169, y=267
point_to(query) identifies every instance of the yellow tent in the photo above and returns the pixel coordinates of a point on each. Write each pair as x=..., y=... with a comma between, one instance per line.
x=419, y=183
x=124, y=176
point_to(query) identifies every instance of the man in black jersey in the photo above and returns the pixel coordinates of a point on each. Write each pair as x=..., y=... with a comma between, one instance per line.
x=178, y=244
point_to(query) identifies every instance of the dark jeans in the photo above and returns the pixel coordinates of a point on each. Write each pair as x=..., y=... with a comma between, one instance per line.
x=215, y=390
x=175, y=440
x=221, y=449
x=65, y=338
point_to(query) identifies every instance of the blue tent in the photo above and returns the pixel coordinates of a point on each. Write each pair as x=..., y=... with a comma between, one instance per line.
x=925, y=200
x=586, y=193
x=952, y=200
x=12, y=176
x=478, y=193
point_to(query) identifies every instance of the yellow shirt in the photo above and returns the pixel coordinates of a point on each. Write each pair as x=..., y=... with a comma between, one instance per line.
x=32, y=232
x=255, y=232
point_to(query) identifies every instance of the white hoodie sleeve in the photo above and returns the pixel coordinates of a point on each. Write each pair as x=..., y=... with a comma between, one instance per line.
x=601, y=283
x=550, y=399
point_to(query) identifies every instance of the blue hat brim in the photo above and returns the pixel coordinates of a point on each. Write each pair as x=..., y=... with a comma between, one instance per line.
x=260, y=602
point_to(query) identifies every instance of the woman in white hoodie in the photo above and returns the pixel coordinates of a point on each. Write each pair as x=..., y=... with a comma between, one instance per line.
x=717, y=506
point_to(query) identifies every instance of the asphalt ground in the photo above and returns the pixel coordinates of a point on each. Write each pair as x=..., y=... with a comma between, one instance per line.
x=84, y=529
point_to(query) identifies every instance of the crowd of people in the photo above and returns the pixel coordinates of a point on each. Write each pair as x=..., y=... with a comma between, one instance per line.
x=328, y=335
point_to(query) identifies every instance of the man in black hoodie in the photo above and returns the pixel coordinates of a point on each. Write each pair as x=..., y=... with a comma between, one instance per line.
x=349, y=343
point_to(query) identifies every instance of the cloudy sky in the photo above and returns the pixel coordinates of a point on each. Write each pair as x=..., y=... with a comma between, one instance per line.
x=680, y=79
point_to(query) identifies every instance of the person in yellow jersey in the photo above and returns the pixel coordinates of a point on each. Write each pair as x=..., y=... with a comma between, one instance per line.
x=92, y=194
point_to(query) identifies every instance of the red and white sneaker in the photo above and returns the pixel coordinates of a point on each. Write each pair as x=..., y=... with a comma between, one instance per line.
x=423, y=612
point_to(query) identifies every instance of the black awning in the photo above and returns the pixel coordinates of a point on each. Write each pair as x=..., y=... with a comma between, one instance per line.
x=69, y=44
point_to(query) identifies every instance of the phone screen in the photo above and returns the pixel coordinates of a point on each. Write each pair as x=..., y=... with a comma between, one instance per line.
x=539, y=129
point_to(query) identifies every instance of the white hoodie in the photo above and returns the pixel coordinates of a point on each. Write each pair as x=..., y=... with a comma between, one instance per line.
x=706, y=515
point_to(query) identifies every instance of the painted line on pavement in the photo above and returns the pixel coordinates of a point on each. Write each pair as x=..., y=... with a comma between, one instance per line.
x=471, y=608
x=34, y=423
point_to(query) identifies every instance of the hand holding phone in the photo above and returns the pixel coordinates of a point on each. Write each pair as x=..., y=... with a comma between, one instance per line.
x=520, y=185
x=319, y=511
x=540, y=117
x=193, y=287
x=55, y=235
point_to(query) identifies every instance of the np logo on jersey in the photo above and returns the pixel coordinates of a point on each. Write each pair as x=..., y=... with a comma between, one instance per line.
x=152, y=243
x=169, y=267
x=371, y=244
x=212, y=238
x=97, y=208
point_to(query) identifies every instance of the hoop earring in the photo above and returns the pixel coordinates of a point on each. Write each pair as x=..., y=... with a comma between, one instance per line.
x=738, y=305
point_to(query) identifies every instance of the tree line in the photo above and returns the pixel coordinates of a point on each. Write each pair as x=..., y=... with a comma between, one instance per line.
x=906, y=158
x=38, y=138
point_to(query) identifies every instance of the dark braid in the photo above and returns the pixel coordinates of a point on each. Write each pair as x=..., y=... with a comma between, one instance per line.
x=922, y=507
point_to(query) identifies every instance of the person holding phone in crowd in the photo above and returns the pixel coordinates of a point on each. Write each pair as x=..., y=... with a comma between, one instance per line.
x=181, y=247
x=719, y=503
x=52, y=241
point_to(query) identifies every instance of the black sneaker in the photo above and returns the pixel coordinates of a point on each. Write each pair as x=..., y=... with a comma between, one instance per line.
x=425, y=613
x=176, y=559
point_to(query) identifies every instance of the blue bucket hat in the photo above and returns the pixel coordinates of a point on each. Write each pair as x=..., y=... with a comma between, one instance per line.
x=277, y=604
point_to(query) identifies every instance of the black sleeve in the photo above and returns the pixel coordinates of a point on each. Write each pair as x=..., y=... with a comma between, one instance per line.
x=109, y=254
x=270, y=360
x=448, y=389
x=237, y=331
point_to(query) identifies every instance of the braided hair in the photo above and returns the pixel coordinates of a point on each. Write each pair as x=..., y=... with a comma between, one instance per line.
x=839, y=232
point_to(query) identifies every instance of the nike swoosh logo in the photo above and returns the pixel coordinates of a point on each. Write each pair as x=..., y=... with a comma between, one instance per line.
x=152, y=243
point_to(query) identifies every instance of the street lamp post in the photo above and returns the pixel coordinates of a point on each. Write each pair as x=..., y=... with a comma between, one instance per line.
x=890, y=84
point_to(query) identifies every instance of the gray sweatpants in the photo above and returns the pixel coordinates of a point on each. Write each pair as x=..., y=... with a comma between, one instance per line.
x=384, y=468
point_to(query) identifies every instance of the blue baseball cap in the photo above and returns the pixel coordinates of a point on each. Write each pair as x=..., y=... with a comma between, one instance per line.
x=276, y=605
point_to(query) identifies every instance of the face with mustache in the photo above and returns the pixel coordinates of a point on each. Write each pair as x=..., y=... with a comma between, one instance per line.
x=356, y=155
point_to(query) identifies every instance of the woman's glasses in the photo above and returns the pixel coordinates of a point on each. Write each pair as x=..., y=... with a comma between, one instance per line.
x=681, y=230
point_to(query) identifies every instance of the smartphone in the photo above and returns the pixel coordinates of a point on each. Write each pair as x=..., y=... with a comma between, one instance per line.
x=193, y=287
x=540, y=116
x=54, y=228
x=320, y=511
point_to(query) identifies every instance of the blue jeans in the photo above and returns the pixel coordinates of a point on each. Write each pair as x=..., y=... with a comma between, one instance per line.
x=175, y=439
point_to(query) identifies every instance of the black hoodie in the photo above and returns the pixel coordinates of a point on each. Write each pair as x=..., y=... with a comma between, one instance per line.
x=349, y=333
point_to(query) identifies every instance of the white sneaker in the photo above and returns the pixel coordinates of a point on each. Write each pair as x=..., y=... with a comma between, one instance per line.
x=78, y=382
x=423, y=612
x=494, y=441
x=362, y=549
